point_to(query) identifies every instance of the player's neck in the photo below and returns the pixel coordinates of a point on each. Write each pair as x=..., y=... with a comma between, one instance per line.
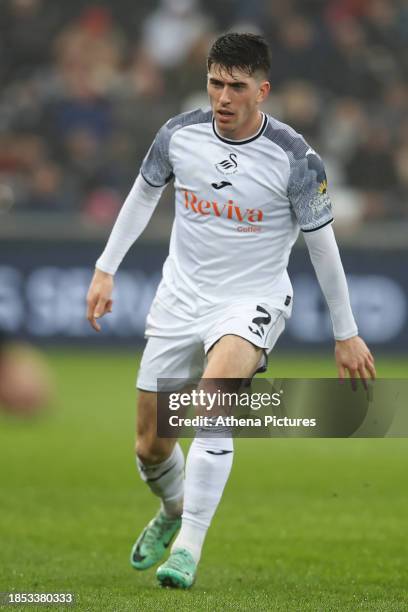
x=245, y=132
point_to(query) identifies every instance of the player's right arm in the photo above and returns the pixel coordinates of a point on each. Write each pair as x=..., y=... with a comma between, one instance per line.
x=134, y=216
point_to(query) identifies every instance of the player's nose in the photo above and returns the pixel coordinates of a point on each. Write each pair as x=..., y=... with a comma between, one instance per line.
x=225, y=97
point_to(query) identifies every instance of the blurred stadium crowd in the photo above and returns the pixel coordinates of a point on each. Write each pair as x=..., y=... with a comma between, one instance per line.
x=85, y=86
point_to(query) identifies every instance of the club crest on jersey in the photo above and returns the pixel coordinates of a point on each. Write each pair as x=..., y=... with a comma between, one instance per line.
x=227, y=210
x=228, y=165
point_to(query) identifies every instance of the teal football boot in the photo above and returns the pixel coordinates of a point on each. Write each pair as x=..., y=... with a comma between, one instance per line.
x=178, y=571
x=154, y=540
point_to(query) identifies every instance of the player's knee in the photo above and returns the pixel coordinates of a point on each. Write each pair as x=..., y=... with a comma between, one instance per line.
x=151, y=451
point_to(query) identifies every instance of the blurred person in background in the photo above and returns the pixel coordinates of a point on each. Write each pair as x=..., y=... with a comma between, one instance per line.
x=175, y=38
x=296, y=52
x=372, y=170
x=26, y=31
x=88, y=55
x=172, y=31
x=26, y=382
x=49, y=190
x=301, y=108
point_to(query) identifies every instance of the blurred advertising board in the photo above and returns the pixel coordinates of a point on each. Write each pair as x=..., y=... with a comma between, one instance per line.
x=43, y=289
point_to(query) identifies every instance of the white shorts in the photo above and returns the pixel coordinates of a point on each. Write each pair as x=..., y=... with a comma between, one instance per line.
x=179, y=337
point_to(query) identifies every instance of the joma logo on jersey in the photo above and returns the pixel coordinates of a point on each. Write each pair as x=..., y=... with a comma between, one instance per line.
x=229, y=210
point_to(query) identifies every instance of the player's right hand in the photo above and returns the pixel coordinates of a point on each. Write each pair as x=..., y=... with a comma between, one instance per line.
x=99, y=298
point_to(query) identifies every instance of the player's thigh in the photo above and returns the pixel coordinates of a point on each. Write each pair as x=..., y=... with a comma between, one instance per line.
x=168, y=362
x=174, y=347
x=150, y=448
x=232, y=357
x=239, y=338
x=230, y=360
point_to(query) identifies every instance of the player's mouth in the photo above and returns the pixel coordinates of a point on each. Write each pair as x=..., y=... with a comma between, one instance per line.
x=224, y=115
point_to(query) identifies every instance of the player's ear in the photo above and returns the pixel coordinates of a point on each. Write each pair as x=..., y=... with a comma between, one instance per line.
x=263, y=91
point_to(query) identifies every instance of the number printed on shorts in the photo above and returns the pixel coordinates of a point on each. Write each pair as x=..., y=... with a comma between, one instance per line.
x=260, y=322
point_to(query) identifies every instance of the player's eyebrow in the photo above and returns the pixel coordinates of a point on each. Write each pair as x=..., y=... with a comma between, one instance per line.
x=215, y=81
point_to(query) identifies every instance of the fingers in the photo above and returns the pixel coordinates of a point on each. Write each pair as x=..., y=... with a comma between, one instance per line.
x=90, y=307
x=103, y=307
x=371, y=369
x=90, y=313
x=100, y=308
x=95, y=324
x=364, y=371
x=353, y=378
x=353, y=374
x=92, y=319
x=357, y=360
x=367, y=369
x=97, y=307
x=363, y=375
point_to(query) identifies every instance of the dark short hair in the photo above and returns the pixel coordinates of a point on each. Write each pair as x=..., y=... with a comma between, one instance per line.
x=247, y=52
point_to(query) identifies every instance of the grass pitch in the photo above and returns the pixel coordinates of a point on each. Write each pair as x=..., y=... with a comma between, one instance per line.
x=304, y=524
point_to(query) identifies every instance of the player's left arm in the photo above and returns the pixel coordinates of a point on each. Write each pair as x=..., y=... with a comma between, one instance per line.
x=307, y=191
x=351, y=352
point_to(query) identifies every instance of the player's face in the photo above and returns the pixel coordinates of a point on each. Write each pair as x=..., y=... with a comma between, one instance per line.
x=235, y=99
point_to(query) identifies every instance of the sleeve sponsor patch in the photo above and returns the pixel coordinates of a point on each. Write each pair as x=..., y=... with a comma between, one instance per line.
x=307, y=191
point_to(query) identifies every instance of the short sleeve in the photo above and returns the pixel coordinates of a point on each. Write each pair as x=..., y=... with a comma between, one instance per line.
x=156, y=167
x=307, y=192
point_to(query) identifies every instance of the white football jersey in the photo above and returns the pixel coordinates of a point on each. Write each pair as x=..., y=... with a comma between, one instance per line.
x=239, y=205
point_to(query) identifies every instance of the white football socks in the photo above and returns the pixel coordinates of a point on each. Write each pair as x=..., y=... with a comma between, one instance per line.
x=166, y=480
x=208, y=467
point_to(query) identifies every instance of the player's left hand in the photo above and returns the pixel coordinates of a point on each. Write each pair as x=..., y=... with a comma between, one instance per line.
x=354, y=356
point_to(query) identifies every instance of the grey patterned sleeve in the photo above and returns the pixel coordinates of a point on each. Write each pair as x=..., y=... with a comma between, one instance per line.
x=307, y=191
x=156, y=167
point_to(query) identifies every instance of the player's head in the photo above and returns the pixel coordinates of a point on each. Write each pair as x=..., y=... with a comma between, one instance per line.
x=238, y=68
x=246, y=52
